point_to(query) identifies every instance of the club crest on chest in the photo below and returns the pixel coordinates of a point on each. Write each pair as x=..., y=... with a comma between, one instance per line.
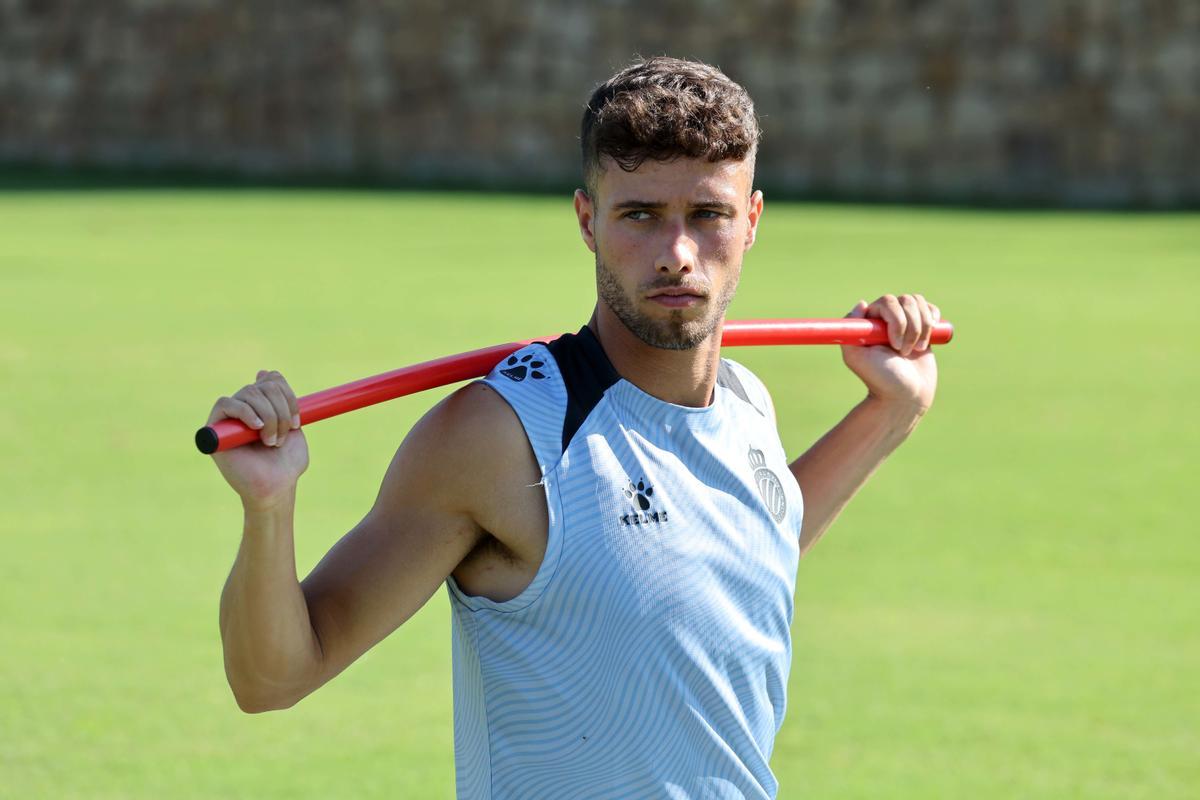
x=769, y=486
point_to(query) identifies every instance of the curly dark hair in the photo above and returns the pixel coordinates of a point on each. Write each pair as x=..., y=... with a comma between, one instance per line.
x=663, y=108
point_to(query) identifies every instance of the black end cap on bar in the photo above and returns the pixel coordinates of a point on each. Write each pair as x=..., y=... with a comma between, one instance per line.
x=207, y=441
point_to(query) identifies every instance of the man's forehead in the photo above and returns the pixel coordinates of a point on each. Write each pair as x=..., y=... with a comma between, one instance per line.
x=678, y=179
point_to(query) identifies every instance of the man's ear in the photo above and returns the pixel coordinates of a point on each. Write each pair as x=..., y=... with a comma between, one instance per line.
x=585, y=212
x=754, y=214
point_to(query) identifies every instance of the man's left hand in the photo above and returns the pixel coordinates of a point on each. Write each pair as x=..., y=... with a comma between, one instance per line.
x=904, y=372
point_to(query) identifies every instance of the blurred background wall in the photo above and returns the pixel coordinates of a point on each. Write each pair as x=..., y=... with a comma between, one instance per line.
x=1087, y=103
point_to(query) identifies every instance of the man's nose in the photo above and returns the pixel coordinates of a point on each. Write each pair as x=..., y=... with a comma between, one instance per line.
x=678, y=254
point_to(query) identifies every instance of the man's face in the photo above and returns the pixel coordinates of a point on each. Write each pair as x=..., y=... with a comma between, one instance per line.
x=669, y=239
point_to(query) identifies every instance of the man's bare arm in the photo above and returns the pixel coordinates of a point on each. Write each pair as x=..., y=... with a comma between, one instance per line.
x=836, y=467
x=901, y=380
x=283, y=638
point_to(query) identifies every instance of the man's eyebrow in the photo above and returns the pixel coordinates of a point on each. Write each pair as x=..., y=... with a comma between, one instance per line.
x=624, y=204
x=719, y=205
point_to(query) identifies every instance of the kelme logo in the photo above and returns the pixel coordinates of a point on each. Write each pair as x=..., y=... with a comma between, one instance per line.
x=639, y=495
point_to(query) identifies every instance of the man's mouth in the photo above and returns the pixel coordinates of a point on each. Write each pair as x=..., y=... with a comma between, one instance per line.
x=677, y=296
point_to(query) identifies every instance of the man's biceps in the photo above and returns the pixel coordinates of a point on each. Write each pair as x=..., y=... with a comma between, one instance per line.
x=376, y=577
x=391, y=549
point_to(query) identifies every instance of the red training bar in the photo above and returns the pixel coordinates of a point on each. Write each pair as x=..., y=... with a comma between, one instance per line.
x=229, y=433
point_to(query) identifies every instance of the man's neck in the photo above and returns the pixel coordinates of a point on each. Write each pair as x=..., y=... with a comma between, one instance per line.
x=682, y=377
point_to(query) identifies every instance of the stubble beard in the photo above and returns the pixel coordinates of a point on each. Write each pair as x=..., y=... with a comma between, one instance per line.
x=673, y=333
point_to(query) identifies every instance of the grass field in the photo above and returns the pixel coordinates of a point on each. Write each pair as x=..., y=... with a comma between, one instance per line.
x=1010, y=609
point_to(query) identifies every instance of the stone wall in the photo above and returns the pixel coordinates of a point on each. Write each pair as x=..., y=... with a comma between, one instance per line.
x=1081, y=102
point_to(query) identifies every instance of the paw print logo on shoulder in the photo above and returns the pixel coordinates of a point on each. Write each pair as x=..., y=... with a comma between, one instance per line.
x=518, y=369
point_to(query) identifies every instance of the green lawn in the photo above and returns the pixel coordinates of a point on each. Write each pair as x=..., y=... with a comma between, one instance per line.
x=1010, y=609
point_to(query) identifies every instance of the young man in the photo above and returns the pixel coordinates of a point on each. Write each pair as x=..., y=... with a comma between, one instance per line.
x=612, y=512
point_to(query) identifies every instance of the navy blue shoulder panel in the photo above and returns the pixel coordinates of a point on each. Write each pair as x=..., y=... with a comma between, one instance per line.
x=727, y=378
x=586, y=372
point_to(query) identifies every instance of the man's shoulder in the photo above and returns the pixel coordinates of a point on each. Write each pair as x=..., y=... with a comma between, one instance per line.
x=475, y=426
x=486, y=468
x=468, y=440
x=553, y=387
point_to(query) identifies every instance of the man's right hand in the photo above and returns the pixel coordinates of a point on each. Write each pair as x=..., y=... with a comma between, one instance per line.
x=266, y=472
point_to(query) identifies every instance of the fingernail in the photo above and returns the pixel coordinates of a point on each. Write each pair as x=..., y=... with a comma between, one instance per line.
x=295, y=420
x=256, y=423
x=271, y=440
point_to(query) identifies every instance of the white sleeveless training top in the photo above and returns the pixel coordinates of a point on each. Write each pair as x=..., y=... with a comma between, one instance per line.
x=649, y=656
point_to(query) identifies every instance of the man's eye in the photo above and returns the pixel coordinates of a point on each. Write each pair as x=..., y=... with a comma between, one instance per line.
x=708, y=213
x=637, y=215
